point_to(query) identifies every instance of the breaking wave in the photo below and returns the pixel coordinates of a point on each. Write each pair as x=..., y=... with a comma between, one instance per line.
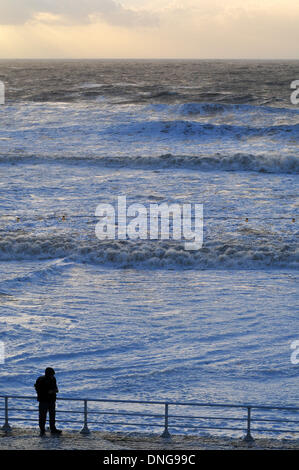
x=193, y=129
x=210, y=108
x=242, y=253
x=42, y=273
x=288, y=164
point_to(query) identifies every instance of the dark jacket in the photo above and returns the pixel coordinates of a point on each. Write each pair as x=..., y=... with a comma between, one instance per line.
x=46, y=388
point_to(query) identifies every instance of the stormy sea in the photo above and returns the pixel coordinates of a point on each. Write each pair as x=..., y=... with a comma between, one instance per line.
x=139, y=318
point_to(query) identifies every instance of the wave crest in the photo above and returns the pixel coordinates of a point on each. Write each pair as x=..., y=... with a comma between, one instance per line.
x=288, y=164
x=218, y=253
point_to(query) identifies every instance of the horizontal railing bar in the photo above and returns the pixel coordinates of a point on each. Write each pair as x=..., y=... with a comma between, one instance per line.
x=91, y=422
x=70, y=411
x=160, y=425
x=208, y=417
x=32, y=419
x=91, y=412
x=68, y=421
x=235, y=419
x=121, y=413
x=235, y=406
x=11, y=418
x=220, y=405
x=206, y=427
x=275, y=420
x=100, y=413
x=19, y=397
x=96, y=413
x=153, y=415
x=232, y=429
x=88, y=399
x=23, y=409
x=36, y=409
x=274, y=430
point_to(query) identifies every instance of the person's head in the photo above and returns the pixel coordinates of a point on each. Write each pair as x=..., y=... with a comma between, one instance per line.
x=49, y=372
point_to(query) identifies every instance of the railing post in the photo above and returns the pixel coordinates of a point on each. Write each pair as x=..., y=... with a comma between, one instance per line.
x=6, y=427
x=248, y=437
x=85, y=429
x=165, y=433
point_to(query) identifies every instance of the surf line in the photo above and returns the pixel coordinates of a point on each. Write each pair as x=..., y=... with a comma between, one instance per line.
x=163, y=221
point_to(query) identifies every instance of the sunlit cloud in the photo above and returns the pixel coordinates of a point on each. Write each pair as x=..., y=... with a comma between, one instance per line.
x=14, y=12
x=149, y=28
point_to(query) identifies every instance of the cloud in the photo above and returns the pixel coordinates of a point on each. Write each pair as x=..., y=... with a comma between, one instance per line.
x=14, y=12
x=124, y=28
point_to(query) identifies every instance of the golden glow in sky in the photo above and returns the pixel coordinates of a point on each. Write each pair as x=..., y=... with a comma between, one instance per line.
x=149, y=29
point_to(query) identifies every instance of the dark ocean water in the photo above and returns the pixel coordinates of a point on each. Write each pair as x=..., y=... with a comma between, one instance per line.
x=228, y=82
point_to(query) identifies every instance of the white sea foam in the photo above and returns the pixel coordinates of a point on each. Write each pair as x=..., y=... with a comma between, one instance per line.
x=227, y=253
x=196, y=130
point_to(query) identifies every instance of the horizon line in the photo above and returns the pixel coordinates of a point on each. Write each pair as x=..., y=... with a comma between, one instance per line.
x=149, y=58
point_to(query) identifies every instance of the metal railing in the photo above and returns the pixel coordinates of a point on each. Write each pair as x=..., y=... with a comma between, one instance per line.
x=219, y=421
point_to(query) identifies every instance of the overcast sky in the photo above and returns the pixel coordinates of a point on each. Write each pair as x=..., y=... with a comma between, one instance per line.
x=149, y=28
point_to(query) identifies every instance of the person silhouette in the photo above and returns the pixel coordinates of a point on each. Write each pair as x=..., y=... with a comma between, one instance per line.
x=46, y=389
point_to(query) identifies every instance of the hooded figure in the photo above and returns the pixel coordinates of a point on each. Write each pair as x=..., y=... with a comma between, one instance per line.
x=46, y=389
